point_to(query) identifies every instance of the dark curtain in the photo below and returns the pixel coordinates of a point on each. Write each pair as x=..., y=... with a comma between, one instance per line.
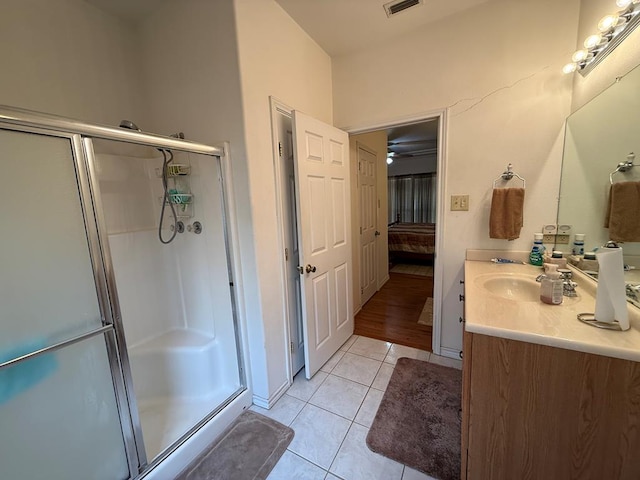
x=413, y=198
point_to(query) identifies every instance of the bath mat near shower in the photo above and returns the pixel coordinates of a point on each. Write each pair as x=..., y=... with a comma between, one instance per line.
x=248, y=450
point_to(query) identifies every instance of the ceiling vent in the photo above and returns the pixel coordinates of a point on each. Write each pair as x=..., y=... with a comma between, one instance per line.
x=393, y=8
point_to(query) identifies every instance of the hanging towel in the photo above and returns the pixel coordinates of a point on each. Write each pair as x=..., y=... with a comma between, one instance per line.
x=505, y=220
x=623, y=212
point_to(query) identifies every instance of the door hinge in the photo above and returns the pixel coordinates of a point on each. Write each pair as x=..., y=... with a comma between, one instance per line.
x=362, y=291
x=279, y=149
x=291, y=346
x=360, y=230
x=286, y=254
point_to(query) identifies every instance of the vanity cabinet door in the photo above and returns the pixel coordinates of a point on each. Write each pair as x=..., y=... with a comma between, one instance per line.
x=541, y=412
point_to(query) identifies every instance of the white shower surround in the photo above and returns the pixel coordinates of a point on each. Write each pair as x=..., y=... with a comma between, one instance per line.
x=174, y=299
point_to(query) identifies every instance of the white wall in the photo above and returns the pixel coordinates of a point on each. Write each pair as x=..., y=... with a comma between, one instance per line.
x=68, y=58
x=277, y=58
x=497, y=68
x=377, y=142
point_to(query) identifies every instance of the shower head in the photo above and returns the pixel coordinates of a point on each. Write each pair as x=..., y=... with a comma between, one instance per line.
x=129, y=125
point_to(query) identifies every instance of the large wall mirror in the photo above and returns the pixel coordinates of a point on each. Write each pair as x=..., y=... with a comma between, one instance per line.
x=599, y=136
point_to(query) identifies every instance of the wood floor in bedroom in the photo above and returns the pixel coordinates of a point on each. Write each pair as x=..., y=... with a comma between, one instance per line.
x=392, y=313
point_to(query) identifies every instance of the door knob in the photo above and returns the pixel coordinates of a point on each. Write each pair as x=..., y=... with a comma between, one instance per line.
x=300, y=269
x=377, y=234
x=310, y=268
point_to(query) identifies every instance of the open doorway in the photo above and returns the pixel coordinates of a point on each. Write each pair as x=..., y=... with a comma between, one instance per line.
x=402, y=310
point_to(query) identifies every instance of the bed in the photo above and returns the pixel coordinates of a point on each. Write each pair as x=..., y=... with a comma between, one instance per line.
x=412, y=241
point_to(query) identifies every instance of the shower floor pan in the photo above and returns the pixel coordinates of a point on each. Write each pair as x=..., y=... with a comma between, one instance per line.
x=177, y=384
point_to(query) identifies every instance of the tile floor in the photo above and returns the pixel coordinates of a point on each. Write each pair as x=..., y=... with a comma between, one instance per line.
x=331, y=415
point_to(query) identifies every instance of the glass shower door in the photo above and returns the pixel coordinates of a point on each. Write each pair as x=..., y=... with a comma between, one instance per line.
x=59, y=406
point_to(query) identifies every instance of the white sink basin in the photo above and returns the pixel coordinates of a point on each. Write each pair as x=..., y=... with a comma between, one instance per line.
x=512, y=286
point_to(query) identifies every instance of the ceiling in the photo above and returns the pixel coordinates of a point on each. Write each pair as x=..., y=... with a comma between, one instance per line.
x=345, y=26
x=415, y=140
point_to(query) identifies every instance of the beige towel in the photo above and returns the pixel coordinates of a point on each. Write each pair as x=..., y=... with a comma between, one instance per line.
x=505, y=220
x=623, y=212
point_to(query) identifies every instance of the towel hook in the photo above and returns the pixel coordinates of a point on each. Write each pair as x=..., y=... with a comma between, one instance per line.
x=507, y=175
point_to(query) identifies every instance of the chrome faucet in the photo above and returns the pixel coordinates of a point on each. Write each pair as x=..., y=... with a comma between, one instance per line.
x=633, y=291
x=568, y=285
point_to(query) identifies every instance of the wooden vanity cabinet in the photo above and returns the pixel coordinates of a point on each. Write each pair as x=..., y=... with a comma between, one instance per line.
x=544, y=413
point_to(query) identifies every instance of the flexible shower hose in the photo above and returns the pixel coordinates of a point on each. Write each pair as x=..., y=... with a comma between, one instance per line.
x=166, y=199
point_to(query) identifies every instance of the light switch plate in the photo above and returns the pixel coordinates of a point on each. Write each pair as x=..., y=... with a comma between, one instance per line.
x=459, y=203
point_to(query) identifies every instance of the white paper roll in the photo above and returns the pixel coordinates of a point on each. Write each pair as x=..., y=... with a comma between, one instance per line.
x=611, y=300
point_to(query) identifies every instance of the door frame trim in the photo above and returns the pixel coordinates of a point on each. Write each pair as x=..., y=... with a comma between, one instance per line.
x=438, y=271
x=277, y=107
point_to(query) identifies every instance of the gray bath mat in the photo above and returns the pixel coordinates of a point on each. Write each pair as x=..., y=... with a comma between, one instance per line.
x=248, y=450
x=418, y=421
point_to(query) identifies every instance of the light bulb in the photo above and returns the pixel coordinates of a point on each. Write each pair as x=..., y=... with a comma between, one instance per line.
x=626, y=3
x=569, y=68
x=389, y=160
x=593, y=41
x=580, y=56
x=608, y=22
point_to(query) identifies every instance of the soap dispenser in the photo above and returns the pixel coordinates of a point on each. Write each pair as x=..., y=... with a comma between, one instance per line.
x=551, y=286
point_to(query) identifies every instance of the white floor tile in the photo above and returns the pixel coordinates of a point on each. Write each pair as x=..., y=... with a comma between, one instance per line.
x=369, y=407
x=291, y=466
x=340, y=396
x=356, y=462
x=304, y=389
x=348, y=343
x=382, y=377
x=318, y=435
x=370, y=347
x=331, y=476
x=446, y=361
x=411, y=474
x=359, y=369
x=397, y=351
x=332, y=362
x=284, y=411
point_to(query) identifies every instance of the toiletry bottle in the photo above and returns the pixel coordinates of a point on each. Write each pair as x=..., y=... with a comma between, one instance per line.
x=578, y=244
x=537, y=251
x=558, y=259
x=551, y=287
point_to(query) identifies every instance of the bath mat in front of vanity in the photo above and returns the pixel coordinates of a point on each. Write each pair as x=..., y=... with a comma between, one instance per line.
x=248, y=450
x=418, y=421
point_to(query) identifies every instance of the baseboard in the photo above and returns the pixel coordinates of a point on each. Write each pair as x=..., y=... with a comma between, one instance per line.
x=384, y=280
x=273, y=398
x=450, y=352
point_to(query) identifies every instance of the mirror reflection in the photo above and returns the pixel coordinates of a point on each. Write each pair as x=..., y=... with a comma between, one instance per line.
x=600, y=185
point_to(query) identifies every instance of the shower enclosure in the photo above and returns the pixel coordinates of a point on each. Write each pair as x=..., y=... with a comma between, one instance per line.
x=115, y=348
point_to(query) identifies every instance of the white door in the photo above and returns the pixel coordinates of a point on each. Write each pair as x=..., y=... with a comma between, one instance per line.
x=324, y=217
x=368, y=217
x=290, y=234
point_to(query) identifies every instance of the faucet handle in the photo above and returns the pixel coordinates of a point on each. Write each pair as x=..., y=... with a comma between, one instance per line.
x=565, y=273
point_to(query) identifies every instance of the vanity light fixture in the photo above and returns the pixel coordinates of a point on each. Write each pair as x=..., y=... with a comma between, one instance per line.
x=613, y=29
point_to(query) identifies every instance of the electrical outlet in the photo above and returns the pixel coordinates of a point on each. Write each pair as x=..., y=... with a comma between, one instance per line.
x=548, y=238
x=562, y=239
x=460, y=203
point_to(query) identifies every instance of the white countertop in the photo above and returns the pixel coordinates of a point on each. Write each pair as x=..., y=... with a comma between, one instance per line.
x=537, y=322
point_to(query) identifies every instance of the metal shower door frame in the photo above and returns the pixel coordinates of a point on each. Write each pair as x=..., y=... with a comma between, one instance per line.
x=81, y=137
